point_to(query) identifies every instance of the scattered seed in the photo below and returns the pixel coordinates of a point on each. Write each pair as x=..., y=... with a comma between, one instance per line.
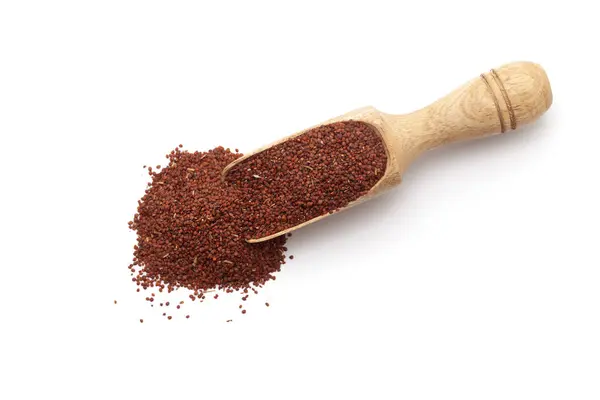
x=185, y=240
x=191, y=225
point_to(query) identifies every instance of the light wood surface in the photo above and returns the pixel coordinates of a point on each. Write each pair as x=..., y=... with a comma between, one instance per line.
x=498, y=101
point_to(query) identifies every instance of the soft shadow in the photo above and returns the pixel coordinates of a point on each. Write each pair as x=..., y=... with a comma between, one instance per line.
x=507, y=142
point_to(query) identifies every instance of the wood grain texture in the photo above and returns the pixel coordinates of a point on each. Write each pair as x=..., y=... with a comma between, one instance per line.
x=498, y=101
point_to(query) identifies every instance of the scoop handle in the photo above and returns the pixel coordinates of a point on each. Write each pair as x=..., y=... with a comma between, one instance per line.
x=498, y=101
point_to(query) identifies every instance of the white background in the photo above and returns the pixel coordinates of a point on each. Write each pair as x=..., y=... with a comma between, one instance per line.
x=478, y=278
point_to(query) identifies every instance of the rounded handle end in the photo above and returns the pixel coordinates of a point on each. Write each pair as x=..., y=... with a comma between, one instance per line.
x=521, y=92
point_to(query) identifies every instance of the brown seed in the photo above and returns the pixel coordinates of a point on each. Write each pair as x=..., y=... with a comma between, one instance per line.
x=243, y=311
x=267, y=304
x=115, y=302
x=141, y=321
x=201, y=233
x=229, y=320
x=291, y=257
x=340, y=155
x=169, y=317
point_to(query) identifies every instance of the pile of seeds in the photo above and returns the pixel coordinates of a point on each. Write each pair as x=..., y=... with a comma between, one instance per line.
x=189, y=233
x=313, y=174
x=192, y=226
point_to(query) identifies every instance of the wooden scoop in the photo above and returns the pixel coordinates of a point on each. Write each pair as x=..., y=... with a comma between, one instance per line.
x=503, y=99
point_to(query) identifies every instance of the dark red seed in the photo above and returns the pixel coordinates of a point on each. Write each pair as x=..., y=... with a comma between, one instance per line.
x=169, y=317
x=187, y=316
x=243, y=311
x=191, y=225
x=336, y=163
x=178, y=306
x=141, y=321
x=189, y=232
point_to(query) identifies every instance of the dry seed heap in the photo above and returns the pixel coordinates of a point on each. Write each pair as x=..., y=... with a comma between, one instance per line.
x=191, y=226
x=189, y=233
